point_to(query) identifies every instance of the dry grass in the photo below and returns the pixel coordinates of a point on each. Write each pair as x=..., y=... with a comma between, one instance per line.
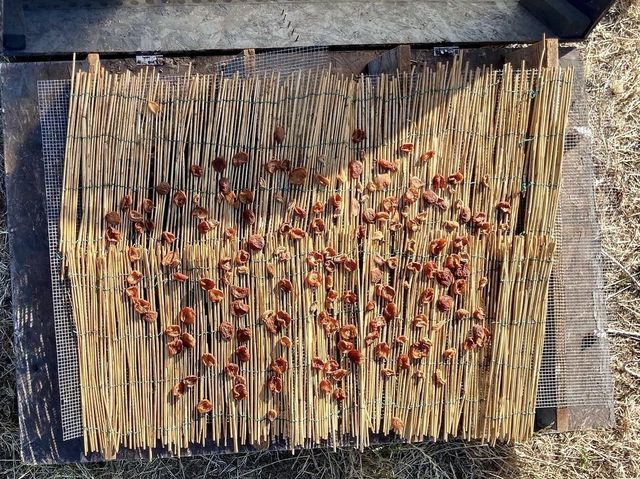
x=612, y=57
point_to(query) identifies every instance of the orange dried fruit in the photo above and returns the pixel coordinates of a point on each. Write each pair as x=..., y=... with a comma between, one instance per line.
x=483, y=282
x=279, y=134
x=256, y=242
x=505, y=207
x=285, y=342
x=243, y=335
x=208, y=360
x=445, y=303
x=135, y=216
x=242, y=353
x=147, y=205
x=168, y=237
x=172, y=331
x=179, y=199
x=232, y=370
x=274, y=384
x=444, y=277
x=112, y=235
x=420, y=321
x=387, y=165
x=134, y=253
x=358, y=135
x=178, y=390
x=449, y=353
x=479, y=314
x=199, y=212
x=272, y=414
x=163, y=188
x=190, y=381
x=420, y=349
x=112, y=218
x=390, y=311
x=215, y=295
x=345, y=346
x=125, y=202
x=240, y=392
x=462, y=314
x=438, y=377
x=187, y=315
x=224, y=185
x=348, y=332
x=370, y=338
x=430, y=197
x=355, y=169
x=355, y=356
x=242, y=257
x=387, y=372
x=219, y=164
x=239, y=308
x=174, y=347
x=459, y=287
x=279, y=365
x=134, y=277
x=397, y=424
x=188, y=340
x=317, y=226
x=298, y=176
x=313, y=279
x=426, y=156
x=153, y=106
x=297, y=233
x=204, y=406
x=437, y=246
x=403, y=361
x=382, y=350
x=239, y=293
x=406, y=147
x=197, y=171
x=226, y=330
x=339, y=394
x=240, y=158
x=325, y=386
x=455, y=178
x=317, y=363
x=207, y=283
x=285, y=285
x=439, y=182
x=349, y=297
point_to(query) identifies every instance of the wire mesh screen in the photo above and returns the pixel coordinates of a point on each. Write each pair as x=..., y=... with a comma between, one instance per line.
x=575, y=365
x=53, y=102
x=284, y=61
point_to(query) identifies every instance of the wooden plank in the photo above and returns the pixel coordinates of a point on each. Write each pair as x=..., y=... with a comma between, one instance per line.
x=540, y=54
x=249, y=56
x=562, y=17
x=397, y=59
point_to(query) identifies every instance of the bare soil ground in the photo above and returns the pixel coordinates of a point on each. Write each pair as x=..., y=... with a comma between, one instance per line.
x=612, y=64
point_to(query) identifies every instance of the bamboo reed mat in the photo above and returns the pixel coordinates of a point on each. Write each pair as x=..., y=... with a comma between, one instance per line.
x=315, y=259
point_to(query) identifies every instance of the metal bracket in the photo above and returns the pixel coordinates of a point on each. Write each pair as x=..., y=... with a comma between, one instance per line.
x=149, y=60
x=445, y=51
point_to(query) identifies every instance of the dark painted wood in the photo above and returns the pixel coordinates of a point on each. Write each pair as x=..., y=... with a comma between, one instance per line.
x=565, y=20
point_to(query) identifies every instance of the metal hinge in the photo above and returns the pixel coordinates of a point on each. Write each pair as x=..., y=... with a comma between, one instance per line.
x=149, y=60
x=445, y=51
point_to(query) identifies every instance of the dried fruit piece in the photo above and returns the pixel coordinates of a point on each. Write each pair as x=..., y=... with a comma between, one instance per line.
x=190, y=381
x=448, y=353
x=456, y=178
x=325, y=386
x=387, y=165
x=199, y=212
x=249, y=217
x=188, y=340
x=420, y=349
x=483, y=282
x=242, y=353
x=240, y=158
x=279, y=365
x=168, y=237
x=245, y=196
x=208, y=360
x=125, y=202
x=382, y=350
x=297, y=233
x=426, y=296
x=150, y=316
x=204, y=406
x=437, y=246
x=224, y=185
x=386, y=292
x=390, y=311
x=215, y=295
x=240, y=392
x=112, y=218
x=459, y=287
x=349, y=297
x=355, y=169
x=479, y=314
x=317, y=226
x=256, y=242
x=403, y=361
x=444, y=303
x=426, y=156
x=232, y=370
x=285, y=285
x=279, y=135
x=172, y=331
x=207, y=283
x=439, y=182
x=285, y=342
x=387, y=372
x=134, y=277
x=444, y=277
x=274, y=384
x=397, y=424
x=339, y=394
x=226, y=330
x=420, y=321
x=239, y=293
x=163, y=188
x=197, y=171
x=438, y=377
x=406, y=147
x=505, y=207
x=462, y=314
x=174, y=347
x=219, y=164
x=271, y=415
x=239, y=308
x=112, y=235
x=187, y=315
x=178, y=390
x=242, y=257
x=179, y=198
x=355, y=356
x=313, y=279
x=298, y=176
x=135, y=216
x=243, y=335
x=358, y=135
x=348, y=332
